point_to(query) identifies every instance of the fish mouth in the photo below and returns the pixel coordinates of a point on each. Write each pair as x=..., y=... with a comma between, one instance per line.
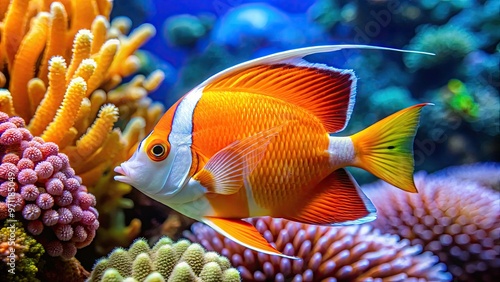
x=123, y=177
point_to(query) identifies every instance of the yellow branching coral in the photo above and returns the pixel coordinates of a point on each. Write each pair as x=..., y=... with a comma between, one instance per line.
x=56, y=34
x=53, y=98
x=62, y=64
x=67, y=113
x=91, y=141
x=14, y=25
x=25, y=61
x=81, y=51
x=36, y=92
x=6, y=105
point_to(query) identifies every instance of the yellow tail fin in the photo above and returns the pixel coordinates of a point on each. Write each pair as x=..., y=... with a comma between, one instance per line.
x=386, y=148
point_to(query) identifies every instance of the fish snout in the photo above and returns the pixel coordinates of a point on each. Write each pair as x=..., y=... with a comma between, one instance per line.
x=120, y=170
x=124, y=177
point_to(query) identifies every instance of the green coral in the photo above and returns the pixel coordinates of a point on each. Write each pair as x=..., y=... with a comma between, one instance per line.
x=325, y=13
x=26, y=256
x=389, y=100
x=186, y=30
x=447, y=42
x=121, y=260
x=165, y=261
x=211, y=272
x=194, y=256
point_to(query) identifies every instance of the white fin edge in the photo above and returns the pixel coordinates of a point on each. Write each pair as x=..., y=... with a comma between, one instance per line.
x=281, y=57
x=370, y=207
x=221, y=231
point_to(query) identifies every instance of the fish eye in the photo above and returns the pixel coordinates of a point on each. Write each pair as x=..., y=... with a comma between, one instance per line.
x=158, y=150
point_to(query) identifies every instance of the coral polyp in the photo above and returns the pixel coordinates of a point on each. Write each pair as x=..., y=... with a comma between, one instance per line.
x=166, y=260
x=454, y=217
x=354, y=253
x=50, y=199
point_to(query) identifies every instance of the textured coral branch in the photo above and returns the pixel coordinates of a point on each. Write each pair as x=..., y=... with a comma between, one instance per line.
x=97, y=99
x=82, y=119
x=104, y=7
x=3, y=9
x=154, y=80
x=23, y=68
x=86, y=69
x=108, y=151
x=99, y=29
x=81, y=51
x=138, y=37
x=66, y=114
x=56, y=35
x=104, y=60
x=96, y=135
x=14, y=28
x=133, y=131
x=6, y=105
x=52, y=100
x=69, y=137
x=36, y=92
x=83, y=13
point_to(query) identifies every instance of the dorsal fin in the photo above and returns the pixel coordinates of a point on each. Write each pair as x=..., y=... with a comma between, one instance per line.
x=328, y=93
x=333, y=122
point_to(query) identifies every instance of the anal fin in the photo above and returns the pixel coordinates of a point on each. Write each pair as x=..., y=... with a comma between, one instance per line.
x=337, y=200
x=244, y=234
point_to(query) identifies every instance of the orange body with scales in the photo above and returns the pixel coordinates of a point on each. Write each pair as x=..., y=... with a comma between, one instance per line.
x=254, y=140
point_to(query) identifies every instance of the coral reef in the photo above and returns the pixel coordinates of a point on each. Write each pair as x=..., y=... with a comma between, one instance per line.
x=386, y=101
x=186, y=30
x=456, y=218
x=56, y=269
x=486, y=174
x=19, y=253
x=63, y=63
x=39, y=186
x=447, y=42
x=255, y=23
x=354, y=253
x=180, y=261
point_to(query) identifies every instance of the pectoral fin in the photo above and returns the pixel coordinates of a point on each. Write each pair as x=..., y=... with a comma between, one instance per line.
x=244, y=234
x=226, y=171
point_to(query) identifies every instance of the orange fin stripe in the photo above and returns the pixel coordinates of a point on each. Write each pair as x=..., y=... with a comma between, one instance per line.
x=326, y=92
x=338, y=201
x=386, y=148
x=242, y=233
x=225, y=172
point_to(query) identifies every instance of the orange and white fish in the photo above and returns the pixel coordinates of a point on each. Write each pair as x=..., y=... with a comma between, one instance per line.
x=253, y=140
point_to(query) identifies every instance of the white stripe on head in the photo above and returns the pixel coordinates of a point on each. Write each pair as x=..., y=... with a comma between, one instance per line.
x=182, y=124
x=180, y=139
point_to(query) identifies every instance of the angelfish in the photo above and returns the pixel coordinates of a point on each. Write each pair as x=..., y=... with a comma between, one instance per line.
x=254, y=140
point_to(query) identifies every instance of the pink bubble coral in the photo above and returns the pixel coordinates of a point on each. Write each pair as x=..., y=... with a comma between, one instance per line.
x=351, y=253
x=44, y=170
x=31, y=212
x=37, y=180
x=30, y=192
x=452, y=215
